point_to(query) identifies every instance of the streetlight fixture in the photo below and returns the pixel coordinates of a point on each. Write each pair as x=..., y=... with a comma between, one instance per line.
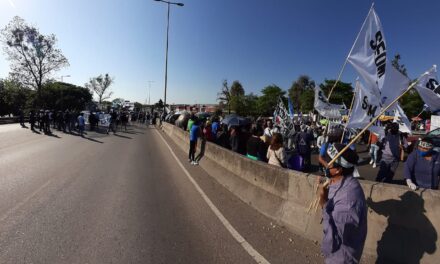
x=166, y=51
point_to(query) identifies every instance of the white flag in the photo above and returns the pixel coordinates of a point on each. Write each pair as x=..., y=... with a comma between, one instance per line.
x=324, y=108
x=403, y=121
x=282, y=118
x=394, y=85
x=429, y=89
x=366, y=106
x=369, y=53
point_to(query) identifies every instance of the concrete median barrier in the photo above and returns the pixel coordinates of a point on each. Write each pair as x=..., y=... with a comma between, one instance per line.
x=402, y=225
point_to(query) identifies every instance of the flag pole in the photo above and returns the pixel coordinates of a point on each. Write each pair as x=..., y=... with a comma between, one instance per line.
x=374, y=120
x=346, y=59
x=356, y=88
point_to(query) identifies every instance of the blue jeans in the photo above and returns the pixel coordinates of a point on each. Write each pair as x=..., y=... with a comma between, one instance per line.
x=373, y=152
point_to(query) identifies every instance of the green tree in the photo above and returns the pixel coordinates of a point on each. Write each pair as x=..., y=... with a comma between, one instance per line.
x=307, y=99
x=301, y=85
x=13, y=97
x=237, y=98
x=119, y=103
x=63, y=96
x=343, y=92
x=100, y=85
x=138, y=106
x=237, y=89
x=33, y=56
x=224, y=96
x=251, y=105
x=269, y=99
x=238, y=104
x=159, y=105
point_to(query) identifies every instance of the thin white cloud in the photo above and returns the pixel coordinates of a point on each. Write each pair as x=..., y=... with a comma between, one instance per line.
x=11, y=3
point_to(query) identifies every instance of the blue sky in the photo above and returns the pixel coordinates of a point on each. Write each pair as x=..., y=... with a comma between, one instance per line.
x=258, y=42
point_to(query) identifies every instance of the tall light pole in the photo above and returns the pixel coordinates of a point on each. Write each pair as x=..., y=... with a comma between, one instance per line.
x=149, y=88
x=166, y=51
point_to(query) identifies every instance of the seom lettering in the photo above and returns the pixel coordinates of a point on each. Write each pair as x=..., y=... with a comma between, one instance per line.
x=380, y=52
x=433, y=84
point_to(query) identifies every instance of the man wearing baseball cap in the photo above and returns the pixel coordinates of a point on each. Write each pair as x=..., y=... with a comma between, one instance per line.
x=422, y=168
x=344, y=209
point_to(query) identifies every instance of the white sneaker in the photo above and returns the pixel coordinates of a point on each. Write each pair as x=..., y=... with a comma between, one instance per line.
x=195, y=163
x=374, y=165
x=371, y=162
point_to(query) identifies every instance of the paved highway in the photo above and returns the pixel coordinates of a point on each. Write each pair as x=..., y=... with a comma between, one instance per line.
x=124, y=199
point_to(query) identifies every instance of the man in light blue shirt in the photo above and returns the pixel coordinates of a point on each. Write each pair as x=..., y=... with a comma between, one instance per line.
x=81, y=124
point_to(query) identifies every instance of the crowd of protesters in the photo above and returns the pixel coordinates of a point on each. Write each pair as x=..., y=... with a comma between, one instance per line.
x=262, y=141
x=341, y=197
x=71, y=121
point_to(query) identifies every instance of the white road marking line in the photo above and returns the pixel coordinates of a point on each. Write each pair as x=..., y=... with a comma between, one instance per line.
x=249, y=249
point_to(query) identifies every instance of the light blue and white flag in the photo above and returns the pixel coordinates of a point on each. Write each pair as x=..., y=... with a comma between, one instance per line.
x=429, y=89
x=291, y=111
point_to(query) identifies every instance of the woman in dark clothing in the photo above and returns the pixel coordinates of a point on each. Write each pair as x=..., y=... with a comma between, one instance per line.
x=222, y=138
x=256, y=149
x=234, y=138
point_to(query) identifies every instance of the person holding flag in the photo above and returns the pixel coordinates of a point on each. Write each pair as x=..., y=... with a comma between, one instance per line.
x=344, y=209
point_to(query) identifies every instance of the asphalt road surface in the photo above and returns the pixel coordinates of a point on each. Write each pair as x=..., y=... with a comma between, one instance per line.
x=123, y=199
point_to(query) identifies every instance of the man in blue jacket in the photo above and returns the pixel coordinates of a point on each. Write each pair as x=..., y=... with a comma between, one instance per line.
x=422, y=168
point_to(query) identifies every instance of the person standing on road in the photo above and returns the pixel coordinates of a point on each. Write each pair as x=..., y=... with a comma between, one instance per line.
x=374, y=148
x=66, y=118
x=390, y=154
x=344, y=209
x=41, y=120
x=32, y=119
x=193, y=136
x=21, y=117
x=46, y=121
x=81, y=124
x=112, y=123
x=422, y=168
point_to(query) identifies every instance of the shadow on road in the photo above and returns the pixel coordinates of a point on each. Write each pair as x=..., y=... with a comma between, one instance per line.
x=409, y=233
x=132, y=132
x=93, y=140
x=202, y=150
x=121, y=136
x=50, y=134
